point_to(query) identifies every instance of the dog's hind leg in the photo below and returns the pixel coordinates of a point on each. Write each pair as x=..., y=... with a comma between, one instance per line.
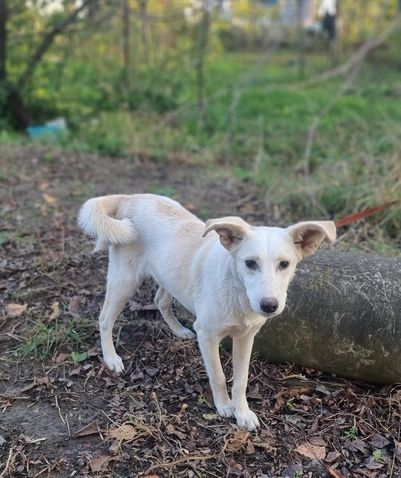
x=164, y=302
x=122, y=282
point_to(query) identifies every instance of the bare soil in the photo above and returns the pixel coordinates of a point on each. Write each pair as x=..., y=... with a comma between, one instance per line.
x=62, y=414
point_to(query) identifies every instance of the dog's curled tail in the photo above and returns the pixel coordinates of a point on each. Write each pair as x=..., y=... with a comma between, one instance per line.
x=96, y=219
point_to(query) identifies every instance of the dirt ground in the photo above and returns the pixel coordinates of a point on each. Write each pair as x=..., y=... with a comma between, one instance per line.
x=62, y=414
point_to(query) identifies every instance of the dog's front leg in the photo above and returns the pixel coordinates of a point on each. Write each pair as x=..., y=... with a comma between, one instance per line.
x=242, y=349
x=209, y=347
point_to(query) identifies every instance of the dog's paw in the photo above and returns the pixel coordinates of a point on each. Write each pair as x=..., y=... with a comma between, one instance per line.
x=185, y=333
x=247, y=419
x=226, y=410
x=114, y=363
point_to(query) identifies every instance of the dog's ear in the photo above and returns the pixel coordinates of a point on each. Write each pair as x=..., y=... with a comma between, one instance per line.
x=308, y=236
x=231, y=230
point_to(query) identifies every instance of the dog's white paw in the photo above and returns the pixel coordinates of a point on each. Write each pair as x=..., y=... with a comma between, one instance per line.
x=225, y=410
x=185, y=333
x=114, y=363
x=247, y=419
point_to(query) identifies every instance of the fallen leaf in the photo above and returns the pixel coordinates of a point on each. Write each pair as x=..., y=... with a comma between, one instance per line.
x=50, y=200
x=123, y=433
x=46, y=380
x=237, y=441
x=350, y=396
x=98, y=463
x=371, y=464
x=89, y=429
x=250, y=448
x=293, y=471
x=357, y=445
x=78, y=357
x=114, y=448
x=152, y=371
x=209, y=416
x=332, y=456
x=62, y=357
x=75, y=304
x=15, y=310
x=55, y=311
x=378, y=441
x=235, y=468
x=171, y=430
x=311, y=451
x=317, y=441
x=334, y=473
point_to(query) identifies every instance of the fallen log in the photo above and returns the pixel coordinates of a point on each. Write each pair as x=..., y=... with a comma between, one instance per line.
x=343, y=316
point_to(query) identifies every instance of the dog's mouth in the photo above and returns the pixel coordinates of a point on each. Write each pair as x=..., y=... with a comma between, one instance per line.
x=271, y=315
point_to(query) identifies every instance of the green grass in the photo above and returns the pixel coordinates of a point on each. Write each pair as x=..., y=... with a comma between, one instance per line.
x=43, y=338
x=257, y=131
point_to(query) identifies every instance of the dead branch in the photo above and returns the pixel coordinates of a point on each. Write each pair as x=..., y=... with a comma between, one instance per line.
x=357, y=58
x=48, y=40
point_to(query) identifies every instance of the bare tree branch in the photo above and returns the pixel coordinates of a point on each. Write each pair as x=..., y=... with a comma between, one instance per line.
x=48, y=40
x=357, y=58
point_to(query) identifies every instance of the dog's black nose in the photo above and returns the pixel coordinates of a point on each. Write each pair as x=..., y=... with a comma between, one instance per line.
x=269, y=305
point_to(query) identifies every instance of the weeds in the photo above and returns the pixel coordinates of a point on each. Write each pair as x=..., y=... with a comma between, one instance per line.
x=42, y=339
x=352, y=432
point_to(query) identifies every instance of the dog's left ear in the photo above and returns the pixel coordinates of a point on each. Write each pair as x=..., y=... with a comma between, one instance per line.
x=308, y=236
x=231, y=230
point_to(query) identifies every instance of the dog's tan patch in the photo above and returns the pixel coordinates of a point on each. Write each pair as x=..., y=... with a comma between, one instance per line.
x=172, y=210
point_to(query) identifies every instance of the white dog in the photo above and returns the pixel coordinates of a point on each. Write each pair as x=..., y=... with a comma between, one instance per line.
x=232, y=276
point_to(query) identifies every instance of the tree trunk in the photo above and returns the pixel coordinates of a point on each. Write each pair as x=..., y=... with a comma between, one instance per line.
x=343, y=316
x=3, y=41
x=201, y=44
x=127, y=45
x=301, y=38
x=143, y=9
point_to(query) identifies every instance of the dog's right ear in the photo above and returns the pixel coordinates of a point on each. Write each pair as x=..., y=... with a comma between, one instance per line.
x=231, y=230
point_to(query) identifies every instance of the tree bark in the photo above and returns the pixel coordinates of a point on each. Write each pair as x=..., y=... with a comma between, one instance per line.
x=201, y=44
x=127, y=45
x=3, y=41
x=343, y=316
x=143, y=9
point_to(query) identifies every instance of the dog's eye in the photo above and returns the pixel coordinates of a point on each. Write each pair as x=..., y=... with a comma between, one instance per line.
x=251, y=264
x=284, y=264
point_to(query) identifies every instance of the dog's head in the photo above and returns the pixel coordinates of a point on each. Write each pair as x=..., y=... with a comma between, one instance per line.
x=265, y=258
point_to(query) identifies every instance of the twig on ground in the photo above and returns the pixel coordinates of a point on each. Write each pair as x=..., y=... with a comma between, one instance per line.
x=172, y=464
x=10, y=454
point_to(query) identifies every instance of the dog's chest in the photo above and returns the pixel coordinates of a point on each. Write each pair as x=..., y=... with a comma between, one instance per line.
x=241, y=325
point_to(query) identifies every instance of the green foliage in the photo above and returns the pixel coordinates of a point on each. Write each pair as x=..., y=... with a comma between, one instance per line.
x=256, y=117
x=78, y=357
x=352, y=432
x=378, y=456
x=43, y=338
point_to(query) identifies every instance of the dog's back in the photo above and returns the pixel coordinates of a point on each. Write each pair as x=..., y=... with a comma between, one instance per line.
x=156, y=233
